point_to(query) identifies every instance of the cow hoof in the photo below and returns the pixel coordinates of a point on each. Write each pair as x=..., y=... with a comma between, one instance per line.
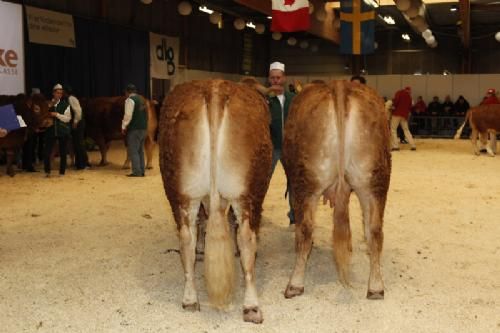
x=292, y=291
x=125, y=167
x=103, y=163
x=149, y=167
x=253, y=315
x=193, y=307
x=375, y=294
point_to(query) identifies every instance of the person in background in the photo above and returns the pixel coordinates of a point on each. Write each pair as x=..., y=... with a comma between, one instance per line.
x=358, y=79
x=59, y=131
x=490, y=98
x=461, y=106
x=419, y=109
x=279, y=104
x=402, y=108
x=448, y=111
x=434, y=109
x=77, y=129
x=3, y=132
x=134, y=126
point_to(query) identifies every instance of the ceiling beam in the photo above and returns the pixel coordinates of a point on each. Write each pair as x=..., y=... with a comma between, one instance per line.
x=464, y=8
x=323, y=29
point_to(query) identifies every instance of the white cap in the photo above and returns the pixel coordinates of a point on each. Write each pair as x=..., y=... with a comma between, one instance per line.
x=277, y=65
x=57, y=87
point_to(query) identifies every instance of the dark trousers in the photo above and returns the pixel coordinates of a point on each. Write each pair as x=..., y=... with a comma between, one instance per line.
x=38, y=146
x=49, y=145
x=77, y=136
x=28, y=149
x=135, y=148
x=276, y=158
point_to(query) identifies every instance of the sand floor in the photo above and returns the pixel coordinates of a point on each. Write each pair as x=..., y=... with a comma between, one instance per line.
x=91, y=252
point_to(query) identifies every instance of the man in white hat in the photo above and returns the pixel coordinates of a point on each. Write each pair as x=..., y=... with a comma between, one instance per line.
x=59, y=131
x=279, y=104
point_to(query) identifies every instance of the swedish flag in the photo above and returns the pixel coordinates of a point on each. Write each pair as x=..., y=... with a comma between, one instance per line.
x=357, y=27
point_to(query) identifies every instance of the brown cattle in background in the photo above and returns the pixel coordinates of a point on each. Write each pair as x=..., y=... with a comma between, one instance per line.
x=336, y=142
x=35, y=112
x=483, y=120
x=103, y=116
x=215, y=156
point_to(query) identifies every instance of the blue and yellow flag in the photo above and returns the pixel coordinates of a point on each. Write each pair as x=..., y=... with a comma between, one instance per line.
x=357, y=27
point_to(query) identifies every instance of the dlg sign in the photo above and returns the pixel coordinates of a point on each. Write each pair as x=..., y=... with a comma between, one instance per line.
x=164, y=53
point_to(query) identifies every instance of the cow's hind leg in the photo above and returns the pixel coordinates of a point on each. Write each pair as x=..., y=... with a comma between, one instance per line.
x=247, y=243
x=188, y=234
x=304, y=210
x=149, y=145
x=342, y=246
x=474, y=135
x=373, y=211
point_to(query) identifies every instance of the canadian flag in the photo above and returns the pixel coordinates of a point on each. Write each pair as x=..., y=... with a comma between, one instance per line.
x=290, y=15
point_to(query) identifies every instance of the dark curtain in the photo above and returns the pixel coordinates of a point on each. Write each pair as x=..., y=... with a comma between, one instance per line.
x=106, y=59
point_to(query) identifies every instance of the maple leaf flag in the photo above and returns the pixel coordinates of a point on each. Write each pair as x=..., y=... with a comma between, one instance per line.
x=290, y=15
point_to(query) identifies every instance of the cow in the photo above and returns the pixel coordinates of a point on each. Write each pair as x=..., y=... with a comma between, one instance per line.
x=483, y=120
x=35, y=112
x=103, y=116
x=215, y=157
x=336, y=142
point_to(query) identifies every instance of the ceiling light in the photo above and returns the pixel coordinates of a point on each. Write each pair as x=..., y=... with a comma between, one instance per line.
x=269, y=17
x=389, y=20
x=251, y=25
x=453, y=8
x=372, y=3
x=405, y=37
x=205, y=9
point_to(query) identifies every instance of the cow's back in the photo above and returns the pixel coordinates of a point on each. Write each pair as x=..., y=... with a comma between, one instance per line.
x=335, y=128
x=214, y=131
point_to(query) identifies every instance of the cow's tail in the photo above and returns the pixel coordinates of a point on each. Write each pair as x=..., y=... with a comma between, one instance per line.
x=461, y=128
x=342, y=247
x=219, y=253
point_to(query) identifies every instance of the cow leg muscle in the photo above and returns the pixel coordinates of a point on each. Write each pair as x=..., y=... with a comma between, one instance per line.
x=188, y=235
x=373, y=210
x=305, y=209
x=247, y=242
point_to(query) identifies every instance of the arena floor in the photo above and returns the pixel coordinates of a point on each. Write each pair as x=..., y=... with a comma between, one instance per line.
x=91, y=252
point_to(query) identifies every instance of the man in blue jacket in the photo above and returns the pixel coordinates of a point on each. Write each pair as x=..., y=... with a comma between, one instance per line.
x=279, y=103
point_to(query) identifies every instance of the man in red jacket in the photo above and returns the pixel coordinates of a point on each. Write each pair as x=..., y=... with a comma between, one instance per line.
x=402, y=108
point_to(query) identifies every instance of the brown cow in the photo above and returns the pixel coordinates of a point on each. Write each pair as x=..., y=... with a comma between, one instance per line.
x=103, y=116
x=215, y=155
x=337, y=141
x=483, y=120
x=35, y=112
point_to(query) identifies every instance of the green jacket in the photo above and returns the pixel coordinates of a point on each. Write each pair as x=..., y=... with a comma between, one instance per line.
x=278, y=118
x=59, y=129
x=139, y=119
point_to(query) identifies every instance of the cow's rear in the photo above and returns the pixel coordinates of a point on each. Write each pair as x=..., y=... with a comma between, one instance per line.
x=337, y=141
x=215, y=153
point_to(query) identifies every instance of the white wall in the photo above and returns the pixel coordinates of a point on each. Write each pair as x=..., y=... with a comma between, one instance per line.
x=472, y=86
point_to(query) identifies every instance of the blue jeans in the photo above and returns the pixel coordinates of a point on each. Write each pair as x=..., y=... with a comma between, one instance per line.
x=135, y=149
x=276, y=158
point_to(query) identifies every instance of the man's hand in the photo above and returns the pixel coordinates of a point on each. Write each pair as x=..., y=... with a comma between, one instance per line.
x=277, y=89
x=53, y=114
x=124, y=131
x=75, y=125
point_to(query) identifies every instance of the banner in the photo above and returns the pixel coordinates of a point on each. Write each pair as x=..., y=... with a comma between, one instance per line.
x=11, y=49
x=164, y=54
x=48, y=27
x=357, y=27
x=290, y=15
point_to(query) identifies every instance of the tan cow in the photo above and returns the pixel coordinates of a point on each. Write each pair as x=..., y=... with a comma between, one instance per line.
x=215, y=156
x=337, y=141
x=483, y=120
